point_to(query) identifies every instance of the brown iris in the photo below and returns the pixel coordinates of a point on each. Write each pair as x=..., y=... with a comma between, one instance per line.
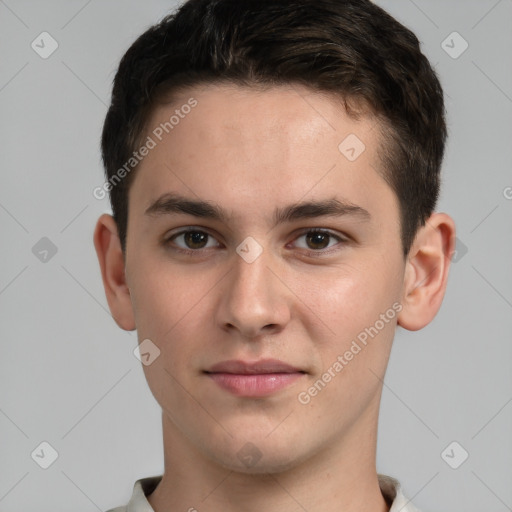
x=316, y=240
x=195, y=239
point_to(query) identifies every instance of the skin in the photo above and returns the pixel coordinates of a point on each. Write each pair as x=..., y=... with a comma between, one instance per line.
x=302, y=301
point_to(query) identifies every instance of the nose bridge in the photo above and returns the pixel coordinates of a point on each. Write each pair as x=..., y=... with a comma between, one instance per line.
x=251, y=277
x=253, y=300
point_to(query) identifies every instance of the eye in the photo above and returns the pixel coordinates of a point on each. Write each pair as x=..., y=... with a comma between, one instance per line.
x=193, y=239
x=318, y=239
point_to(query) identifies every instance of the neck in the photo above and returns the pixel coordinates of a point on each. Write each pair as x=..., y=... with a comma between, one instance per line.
x=342, y=476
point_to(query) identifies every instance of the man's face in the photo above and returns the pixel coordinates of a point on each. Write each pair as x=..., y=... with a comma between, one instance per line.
x=304, y=300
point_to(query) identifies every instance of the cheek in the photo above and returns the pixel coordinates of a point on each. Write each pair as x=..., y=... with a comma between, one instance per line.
x=171, y=309
x=348, y=300
x=168, y=312
x=161, y=297
x=349, y=304
x=355, y=353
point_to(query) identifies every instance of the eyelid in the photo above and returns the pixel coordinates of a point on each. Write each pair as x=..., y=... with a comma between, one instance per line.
x=168, y=238
x=342, y=239
x=324, y=231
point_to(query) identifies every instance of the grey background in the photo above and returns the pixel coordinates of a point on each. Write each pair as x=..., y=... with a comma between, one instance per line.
x=68, y=375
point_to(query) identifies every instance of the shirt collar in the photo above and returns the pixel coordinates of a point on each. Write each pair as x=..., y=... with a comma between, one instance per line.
x=392, y=491
x=390, y=488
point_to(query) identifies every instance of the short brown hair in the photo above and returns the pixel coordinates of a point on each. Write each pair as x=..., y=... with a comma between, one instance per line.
x=350, y=48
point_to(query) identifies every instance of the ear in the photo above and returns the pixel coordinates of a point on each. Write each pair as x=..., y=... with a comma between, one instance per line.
x=111, y=259
x=426, y=272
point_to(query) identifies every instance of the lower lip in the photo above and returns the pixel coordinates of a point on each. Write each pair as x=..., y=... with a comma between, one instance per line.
x=261, y=384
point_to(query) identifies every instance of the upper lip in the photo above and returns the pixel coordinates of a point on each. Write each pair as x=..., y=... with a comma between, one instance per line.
x=239, y=367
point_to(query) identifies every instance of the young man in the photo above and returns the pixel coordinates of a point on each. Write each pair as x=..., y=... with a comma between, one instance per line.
x=273, y=169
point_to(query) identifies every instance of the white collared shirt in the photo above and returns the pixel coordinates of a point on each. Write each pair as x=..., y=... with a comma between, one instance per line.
x=390, y=488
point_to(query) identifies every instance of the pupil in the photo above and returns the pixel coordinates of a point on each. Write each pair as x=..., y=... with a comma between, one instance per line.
x=194, y=239
x=319, y=238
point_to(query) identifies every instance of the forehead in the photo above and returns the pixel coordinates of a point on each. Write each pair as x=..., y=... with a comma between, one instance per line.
x=248, y=144
x=263, y=113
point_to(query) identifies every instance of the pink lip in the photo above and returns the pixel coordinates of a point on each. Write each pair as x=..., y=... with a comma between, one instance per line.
x=253, y=379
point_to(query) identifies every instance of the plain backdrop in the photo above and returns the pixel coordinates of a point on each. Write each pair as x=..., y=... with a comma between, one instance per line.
x=68, y=375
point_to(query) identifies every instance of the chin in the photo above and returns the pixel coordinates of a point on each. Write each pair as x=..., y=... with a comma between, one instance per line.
x=263, y=466
x=259, y=456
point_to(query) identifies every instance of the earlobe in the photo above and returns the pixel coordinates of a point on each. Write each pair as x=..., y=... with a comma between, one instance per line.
x=426, y=272
x=111, y=260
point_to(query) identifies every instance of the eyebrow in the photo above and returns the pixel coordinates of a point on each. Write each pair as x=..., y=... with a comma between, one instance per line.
x=175, y=203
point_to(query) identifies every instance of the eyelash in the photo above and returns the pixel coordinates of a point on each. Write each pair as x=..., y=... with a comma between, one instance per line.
x=197, y=252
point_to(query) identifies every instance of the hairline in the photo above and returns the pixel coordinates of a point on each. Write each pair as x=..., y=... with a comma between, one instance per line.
x=354, y=106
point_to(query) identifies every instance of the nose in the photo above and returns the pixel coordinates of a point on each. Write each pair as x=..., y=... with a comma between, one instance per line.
x=254, y=300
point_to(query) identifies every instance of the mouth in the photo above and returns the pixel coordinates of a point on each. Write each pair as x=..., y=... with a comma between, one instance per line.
x=254, y=379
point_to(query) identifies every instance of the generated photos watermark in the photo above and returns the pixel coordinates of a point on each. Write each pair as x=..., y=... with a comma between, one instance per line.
x=151, y=142
x=304, y=397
